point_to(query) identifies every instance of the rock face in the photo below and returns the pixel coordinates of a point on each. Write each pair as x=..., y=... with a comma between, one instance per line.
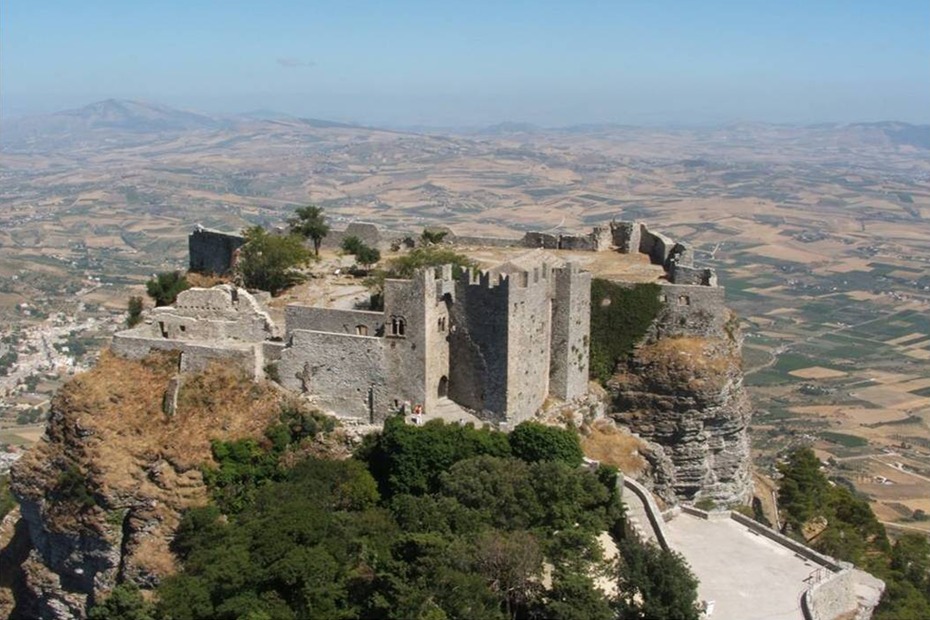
x=102, y=493
x=685, y=393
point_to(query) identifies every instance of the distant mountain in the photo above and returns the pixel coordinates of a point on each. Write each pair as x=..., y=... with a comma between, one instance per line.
x=509, y=127
x=900, y=134
x=110, y=120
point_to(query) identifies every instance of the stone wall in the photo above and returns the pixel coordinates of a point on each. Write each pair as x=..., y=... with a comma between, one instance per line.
x=478, y=344
x=405, y=353
x=479, y=241
x=571, y=318
x=195, y=356
x=212, y=251
x=210, y=314
x=683, y=274
x=370, y=234
x=626, y=236
x=546, y=241
x=343, y=372
x=692, y=310
x=529, y=337
x=333, y=320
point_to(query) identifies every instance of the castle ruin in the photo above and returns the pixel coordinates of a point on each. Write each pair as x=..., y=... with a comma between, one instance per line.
x=496, y=342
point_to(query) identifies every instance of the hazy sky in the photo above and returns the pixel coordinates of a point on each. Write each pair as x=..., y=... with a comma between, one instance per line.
x=474, y=62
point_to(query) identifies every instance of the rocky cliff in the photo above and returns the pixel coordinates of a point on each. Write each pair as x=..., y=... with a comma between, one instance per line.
x=683, y=390
x=102, y=493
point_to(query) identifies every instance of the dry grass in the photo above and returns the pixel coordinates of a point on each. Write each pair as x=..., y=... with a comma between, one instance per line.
x=698, y=363
x=606, y=443
x=109, y=423
x=202, y=280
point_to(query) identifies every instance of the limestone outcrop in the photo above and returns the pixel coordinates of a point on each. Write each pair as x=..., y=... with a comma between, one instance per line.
x=101, y=495
x=685, y=393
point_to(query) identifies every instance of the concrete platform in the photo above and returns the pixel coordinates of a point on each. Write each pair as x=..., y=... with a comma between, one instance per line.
x=746, y=575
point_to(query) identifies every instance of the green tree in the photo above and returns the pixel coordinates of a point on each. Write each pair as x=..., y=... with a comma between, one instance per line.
x=125, y=602
x=405, y=266
x=351, y=245
x=269, y=262
x=532, y=441
x=367, y=256
x=409, y=459
x=802, y=491
x=432, y=237
x=309, y=223
x=655, y=584
x=574, y=597
x=134, y=311
x=7, y=501
x=165, y=287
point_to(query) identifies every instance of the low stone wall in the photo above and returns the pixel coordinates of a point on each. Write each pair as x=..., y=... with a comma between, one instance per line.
x=652, y=510
x=478, y=241
x=799, y=548
x=195, y=357
x=332, y=320
x=831, y=597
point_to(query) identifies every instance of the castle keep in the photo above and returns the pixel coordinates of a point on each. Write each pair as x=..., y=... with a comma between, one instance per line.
x=496, y=342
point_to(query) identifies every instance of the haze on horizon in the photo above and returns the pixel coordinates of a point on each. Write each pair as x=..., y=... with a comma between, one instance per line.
x=428, y=63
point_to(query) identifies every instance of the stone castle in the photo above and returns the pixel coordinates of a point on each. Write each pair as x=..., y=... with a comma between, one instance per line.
x=496, y=342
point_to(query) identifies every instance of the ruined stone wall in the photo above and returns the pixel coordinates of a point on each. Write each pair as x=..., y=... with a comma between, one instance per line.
x=211, y=251
x=344, y=373
x=478, y=344
x=656, y=245
x=571, y=319
x=547, y=241
x=683, y=274
x=210, y=314
x=195, y=356
x=333, y=320
x=691, y=310
x=490, y=242
x=626, y=236
x=370, y=234
x=528, y=340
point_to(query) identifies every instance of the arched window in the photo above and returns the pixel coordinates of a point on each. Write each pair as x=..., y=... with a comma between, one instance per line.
x=398, y=326
x=361, y=330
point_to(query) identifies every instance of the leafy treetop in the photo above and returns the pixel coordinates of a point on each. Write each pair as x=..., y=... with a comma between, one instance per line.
x=269, y=262
x=310, y=223
x=165, y=287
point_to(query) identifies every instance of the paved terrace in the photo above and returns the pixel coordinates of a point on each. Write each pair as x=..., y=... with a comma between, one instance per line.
x=748, y=576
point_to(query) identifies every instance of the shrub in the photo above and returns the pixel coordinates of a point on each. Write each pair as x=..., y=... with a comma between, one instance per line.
x=72, y=487
x=352, y=244
x=534, y=442
x=165, y=287
x=134, y=311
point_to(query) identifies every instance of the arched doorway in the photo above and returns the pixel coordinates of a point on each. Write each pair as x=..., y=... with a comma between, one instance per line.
x=443, y=387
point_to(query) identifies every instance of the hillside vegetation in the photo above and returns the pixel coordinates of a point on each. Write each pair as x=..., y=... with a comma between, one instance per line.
x=433, y=522
x=841, y=524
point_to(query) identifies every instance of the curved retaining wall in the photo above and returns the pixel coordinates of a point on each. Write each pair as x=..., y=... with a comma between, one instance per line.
x=652, y=510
